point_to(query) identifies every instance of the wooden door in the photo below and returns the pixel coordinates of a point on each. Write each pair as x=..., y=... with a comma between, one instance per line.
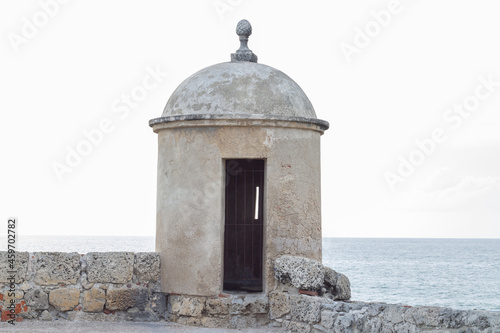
x=243, y=234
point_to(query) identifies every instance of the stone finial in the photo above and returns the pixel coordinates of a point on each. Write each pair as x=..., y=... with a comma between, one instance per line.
x=243, y=30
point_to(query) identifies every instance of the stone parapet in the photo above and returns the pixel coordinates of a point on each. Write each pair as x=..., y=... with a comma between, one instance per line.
x=320, y=314
x=125, y=286
x=228, y=311
x=102, y=286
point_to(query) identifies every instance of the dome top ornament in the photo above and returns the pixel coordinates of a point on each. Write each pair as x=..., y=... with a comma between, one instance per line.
x=243, y=30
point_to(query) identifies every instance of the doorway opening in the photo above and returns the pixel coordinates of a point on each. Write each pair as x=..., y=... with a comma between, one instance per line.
x=243, y=231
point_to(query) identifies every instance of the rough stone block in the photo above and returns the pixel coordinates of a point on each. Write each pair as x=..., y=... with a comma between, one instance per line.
x=37, y=299
x=20, y=265
x=123, y=299
x=394, y=313
x=477, y=320
x=428, y=316
x=85, y=283
x=296, y=327
x=159, y=304
x=147, y=267
x=319, y=329
x=279, y=304
x=94, y=300
x=236, y=306
x=302, y=273
x=327, y=318
x=344, y=322
x=374, y=324
x=342, y=290
x=64, y=299
x=256, y=304
x=186, y=305
x=53, y=268
x=249, y=304
x=373, y=309
x=330, y=277
x=218, y=306
x=305, y=308
x=110, y=267
x=155, y=287
x=447, y=317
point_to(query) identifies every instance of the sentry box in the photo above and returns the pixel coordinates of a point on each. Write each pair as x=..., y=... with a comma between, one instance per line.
x=238, y=177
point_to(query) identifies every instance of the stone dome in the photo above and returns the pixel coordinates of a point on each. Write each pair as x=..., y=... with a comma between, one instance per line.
x=240, y=89
x=244, y=89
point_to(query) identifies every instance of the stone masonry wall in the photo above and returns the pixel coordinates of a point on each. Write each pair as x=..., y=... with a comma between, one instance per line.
x=296, y=306
x=304, y=314
x=125, y=286
x=104, y=286
x=300, y=313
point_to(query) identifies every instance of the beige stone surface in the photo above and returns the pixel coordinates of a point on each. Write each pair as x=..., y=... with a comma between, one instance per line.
x=190, y=196
x=279, y=304
x=37, y=299
x=53, y=268
x=123, y=299
x=218, y=306
x=94, y=300
x=64, y=299
x=186, y=306
x=110, y=267
x=147, y=267
x=250, y=304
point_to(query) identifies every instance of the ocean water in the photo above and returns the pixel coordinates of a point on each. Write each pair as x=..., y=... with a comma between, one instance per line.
x=456, y=273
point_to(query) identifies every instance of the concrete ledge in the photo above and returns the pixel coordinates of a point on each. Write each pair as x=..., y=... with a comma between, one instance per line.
x=204, y=120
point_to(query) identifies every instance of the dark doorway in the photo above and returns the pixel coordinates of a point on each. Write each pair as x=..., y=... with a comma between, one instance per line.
x=243, y=233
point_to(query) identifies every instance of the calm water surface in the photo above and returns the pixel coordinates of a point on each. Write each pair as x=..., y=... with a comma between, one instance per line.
x=458, y=273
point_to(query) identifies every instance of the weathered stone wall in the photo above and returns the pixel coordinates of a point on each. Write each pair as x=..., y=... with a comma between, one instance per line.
x=296, y=306
x=229, y=311
x=94, y=286
x=125, y=286
x=302, y=313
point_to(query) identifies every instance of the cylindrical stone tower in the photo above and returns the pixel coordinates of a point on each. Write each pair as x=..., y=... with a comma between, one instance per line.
x=238, y=177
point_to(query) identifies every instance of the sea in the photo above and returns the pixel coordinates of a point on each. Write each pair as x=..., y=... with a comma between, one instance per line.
x=456, y=273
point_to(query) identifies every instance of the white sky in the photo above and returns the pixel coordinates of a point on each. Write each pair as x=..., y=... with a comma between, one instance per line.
x=71, y=72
